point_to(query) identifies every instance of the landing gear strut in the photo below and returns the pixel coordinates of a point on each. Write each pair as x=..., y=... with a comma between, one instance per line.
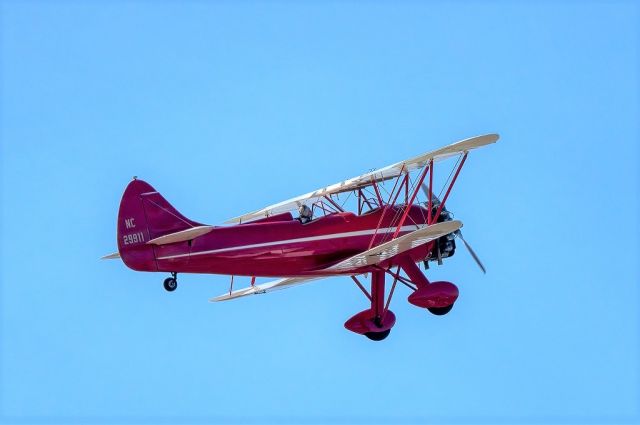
x=437, y=297
x=375, y=322
x=171, y=283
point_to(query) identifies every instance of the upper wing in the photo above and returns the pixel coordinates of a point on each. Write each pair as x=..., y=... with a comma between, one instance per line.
x=396, y=246
x=366, y=179
x=266, y=287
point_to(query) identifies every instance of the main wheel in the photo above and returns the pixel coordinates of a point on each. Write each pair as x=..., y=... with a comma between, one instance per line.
x=440, y=311
x=170, y=284
x=378, y=336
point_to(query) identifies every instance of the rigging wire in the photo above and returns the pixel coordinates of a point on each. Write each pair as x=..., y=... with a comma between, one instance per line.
x=166, y=210
x=345, y=201
x=449, y=178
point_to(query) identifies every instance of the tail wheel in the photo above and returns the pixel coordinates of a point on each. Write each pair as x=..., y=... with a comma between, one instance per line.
x=440, y=311
x=378, y=336
x=170, y=284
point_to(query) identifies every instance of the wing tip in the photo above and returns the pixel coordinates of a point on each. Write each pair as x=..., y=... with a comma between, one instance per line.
x=479, y=141
x=494, y=137
x=235, y=294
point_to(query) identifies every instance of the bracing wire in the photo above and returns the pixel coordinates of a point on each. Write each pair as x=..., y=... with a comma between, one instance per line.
x=449, y=178
x=166, y=210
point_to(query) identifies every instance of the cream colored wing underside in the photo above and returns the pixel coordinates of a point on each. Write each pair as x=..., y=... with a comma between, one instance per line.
x=274, y=285
x=366, y=179
x=181, y=236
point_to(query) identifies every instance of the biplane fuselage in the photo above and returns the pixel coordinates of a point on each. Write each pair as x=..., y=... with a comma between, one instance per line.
x=281, y=246
x=275, y=246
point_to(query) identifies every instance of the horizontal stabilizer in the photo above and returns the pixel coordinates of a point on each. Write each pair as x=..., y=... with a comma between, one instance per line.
x=274, y=285
x=181, y=236
x=396, y=246
x=114, y=256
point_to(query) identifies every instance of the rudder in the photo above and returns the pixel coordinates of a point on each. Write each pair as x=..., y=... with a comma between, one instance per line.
x=144, y=214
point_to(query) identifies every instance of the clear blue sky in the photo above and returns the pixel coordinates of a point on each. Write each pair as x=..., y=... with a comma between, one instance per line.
x=228, y=107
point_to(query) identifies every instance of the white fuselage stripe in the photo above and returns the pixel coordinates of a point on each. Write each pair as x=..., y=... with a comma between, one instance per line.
x=298, y=240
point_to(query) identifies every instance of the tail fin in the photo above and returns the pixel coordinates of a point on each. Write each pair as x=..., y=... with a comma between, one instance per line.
x=144, y=215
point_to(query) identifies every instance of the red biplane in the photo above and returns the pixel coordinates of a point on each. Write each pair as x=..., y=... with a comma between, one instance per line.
x=391, y=231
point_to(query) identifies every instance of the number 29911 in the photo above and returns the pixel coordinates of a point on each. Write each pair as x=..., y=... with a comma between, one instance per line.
x=133, y=238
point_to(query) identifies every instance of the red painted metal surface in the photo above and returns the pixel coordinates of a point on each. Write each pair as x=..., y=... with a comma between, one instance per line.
x=435, y=295
x=414, y=273
x=378, y=318
x=377, y=293
x=144, y=215
x=273, y=247
x=285, y=216
x=364, y=322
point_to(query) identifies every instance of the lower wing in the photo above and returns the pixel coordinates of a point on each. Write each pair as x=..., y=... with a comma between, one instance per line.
x=274, y=285
x=370, y=257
